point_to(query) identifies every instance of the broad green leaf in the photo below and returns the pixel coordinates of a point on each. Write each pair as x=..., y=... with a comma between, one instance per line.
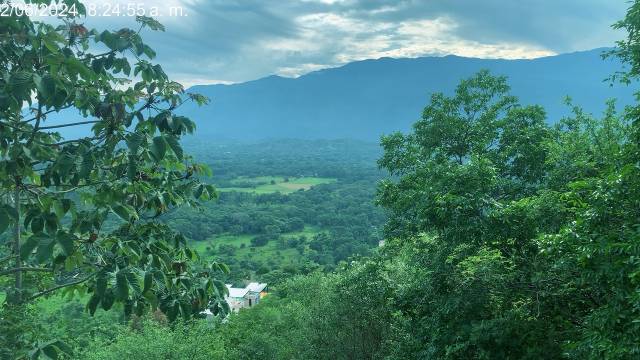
x=45, y=249
x=124, y=212
x=101, y=283
x=65, y=240
x=148, y=278
x=86, y=166
x=107, y=300
x=92, y=304
x=61, y=207
x=50, y=352
x=37, y=224
x=133, y=141
x=132, y=169
x=122, y=285
x=27, y=247
x=150, y=22
x=175, y=146
x=158, y=148
x=80, y=68
x=197, y=193
x=45, y=85
x=51, y=223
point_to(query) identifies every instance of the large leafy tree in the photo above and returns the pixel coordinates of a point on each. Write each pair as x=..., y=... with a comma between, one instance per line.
x=511, y=238
x=604, y=238
x=460, y=205
x=79, y=215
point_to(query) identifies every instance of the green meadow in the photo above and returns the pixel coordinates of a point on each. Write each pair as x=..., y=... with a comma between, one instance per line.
x=272, y=184
x=244, y=250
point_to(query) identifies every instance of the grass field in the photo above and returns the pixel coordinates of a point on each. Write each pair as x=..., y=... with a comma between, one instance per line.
x=272, y=184
x=260, y=253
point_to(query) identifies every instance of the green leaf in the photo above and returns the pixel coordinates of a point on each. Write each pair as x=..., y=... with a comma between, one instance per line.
x=45, y=249
x=65, y=163
x=61, y=207
x=124, y=212
x=86, y=166
x=197, y=193
x=175, y=147
x=27, y=247
x=78, y=67
x=51, y=222
x=108, y=299
x=92, y=304
x=152, y=23
x=122, y=285
x=224, y=268
x=5, y=220
x=132, y=168
x=45, y=85
x=158, y=148
x=37, y=225
x=50, y=352
x=148, y=51
x=148, y=278
x=20, y=85
x=65, y=240
x=50, y=40
x=133, y=141
x=101, y=284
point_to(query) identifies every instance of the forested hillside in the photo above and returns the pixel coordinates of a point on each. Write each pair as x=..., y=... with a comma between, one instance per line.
x=317, y=213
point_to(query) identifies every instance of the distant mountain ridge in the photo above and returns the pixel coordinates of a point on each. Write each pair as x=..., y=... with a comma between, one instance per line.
x=365, y=99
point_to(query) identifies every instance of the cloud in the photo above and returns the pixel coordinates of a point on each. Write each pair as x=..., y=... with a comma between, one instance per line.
x=232, y=40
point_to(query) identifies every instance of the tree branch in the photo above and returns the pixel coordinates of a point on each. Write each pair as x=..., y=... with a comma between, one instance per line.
x=58, y=287
x=36, y=127
x=70, y=124
x=44, y=113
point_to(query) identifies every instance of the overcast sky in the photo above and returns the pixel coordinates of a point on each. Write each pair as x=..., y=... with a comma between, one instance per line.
x=232, y=41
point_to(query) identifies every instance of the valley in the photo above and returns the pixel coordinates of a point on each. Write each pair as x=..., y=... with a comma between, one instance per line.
x=281, y=214
x=320, y=180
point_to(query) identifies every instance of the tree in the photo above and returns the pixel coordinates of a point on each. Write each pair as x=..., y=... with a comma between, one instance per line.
x=79, y=215
x=461, y=211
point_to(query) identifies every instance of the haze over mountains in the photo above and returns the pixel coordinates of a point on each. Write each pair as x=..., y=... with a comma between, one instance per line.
x=365, y=99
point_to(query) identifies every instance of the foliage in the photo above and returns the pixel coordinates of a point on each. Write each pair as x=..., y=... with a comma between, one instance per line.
x=507, y=238
x=153, y=340
x=312, y=317
x=296, y=232
x=130, y=168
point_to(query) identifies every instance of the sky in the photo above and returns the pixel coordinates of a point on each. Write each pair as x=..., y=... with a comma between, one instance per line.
x=227, y=41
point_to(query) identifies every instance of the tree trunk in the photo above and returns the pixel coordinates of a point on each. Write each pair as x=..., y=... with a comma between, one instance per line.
x=16, y=245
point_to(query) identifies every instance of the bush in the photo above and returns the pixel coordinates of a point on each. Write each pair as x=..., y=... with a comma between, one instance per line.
x=197, y=340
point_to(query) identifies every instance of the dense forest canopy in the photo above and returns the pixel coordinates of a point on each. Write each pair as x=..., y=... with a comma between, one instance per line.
x=487, y=231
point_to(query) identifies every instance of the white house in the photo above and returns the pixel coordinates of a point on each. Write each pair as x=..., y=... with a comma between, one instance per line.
x=240, y=298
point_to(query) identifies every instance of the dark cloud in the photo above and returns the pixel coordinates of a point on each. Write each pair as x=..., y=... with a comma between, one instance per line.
x=555, y=24
x=243, y=40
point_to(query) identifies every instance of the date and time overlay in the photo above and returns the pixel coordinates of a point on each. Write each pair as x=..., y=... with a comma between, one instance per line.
x=91, y=9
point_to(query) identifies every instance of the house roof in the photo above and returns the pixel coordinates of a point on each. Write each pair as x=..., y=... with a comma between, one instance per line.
x=237, y=292
x=256, y=287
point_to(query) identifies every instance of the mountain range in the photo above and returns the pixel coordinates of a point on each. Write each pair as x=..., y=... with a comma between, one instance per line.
x=365, y=99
